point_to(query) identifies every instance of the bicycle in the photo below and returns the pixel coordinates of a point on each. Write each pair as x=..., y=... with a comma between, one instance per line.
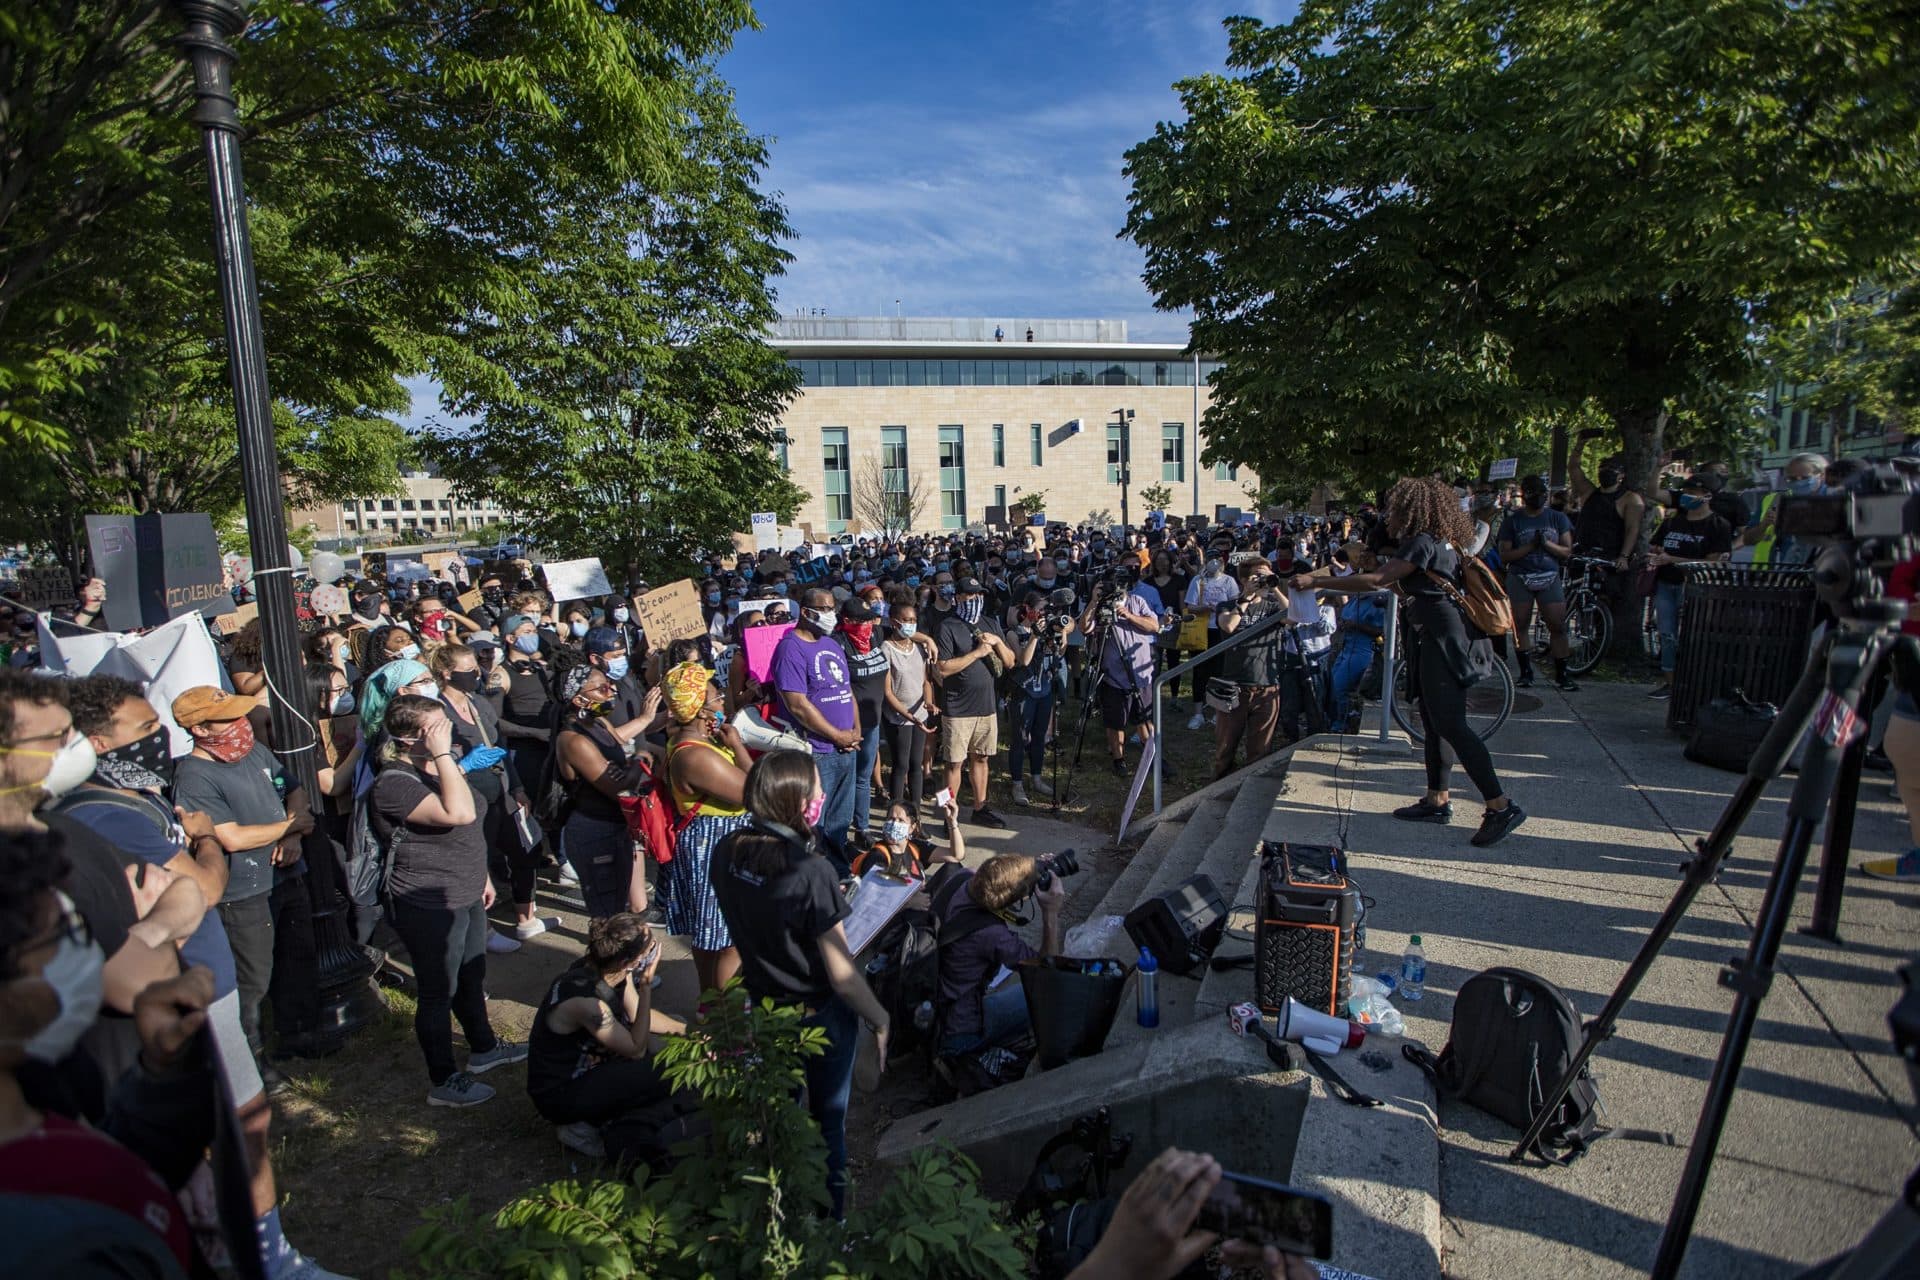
x=1489, y=703
x=1589, y=615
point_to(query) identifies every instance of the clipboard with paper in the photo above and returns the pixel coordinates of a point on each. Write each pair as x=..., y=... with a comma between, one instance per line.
x=876, y=899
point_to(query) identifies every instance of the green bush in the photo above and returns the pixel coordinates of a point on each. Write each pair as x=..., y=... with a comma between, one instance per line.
x=750, y=1205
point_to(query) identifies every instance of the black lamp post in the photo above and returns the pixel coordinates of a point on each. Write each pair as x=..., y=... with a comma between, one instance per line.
x=347, y=999
x=1126, y=462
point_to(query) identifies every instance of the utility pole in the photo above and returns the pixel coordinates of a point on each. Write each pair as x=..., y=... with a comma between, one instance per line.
x=1126, y=462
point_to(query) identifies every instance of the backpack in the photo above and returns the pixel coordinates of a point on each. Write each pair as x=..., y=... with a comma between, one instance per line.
x=1480, y=596
x=904, y=970
x=652, y=816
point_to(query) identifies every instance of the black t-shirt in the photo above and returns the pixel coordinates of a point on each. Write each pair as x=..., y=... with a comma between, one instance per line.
x=1425, y=552
x=433, y=866
x=968, y=692
x=554, y=1060
x=776, y=922
x=528, y=702
x=1688, y=539
x=96, y=881
x=867, y=673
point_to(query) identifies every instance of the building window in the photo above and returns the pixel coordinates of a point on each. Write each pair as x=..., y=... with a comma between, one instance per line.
x=839, y=488
x=386, y=504
x=1113, y=452
x=446, y=504
x=953, y=477
x=784, y=442
x=1000, y=495
x=1221, y=471
x=406, y=504
x=1039, y=444
x=1173, y=451
x=999, y=444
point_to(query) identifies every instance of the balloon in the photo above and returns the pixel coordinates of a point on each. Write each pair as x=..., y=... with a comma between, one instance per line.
x=294, y=557
x=328, y=567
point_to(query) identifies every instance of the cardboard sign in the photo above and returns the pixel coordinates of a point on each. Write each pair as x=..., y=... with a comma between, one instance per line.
x=228, y=624
x=438, y=560
x=668, y=613
x=744, y=544
x=760, y=642
x=158, y=567
x=1503, y=469
x=469, y=601
x=856, y=529
x=766, y=531
x=329, y=598
x=1016, y=515
x=373, y=564
x=576, y=579
x=45, y=588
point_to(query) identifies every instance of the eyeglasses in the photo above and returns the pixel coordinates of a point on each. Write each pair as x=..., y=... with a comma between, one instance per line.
x=71, y=927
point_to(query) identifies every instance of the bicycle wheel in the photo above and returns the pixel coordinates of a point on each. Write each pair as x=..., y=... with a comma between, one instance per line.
x=1489, y=703
x=1589, y=631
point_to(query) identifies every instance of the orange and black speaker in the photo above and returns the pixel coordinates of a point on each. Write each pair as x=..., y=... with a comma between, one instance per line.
x=1303, y=931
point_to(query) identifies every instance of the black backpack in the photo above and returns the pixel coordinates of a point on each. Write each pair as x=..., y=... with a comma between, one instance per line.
x=1514, y=1034
x=904, y=968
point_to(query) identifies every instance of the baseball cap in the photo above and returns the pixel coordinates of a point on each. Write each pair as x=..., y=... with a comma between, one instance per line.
x=204, y=703
x=970, y=587
x=483, y=640
x=857, y=610
x=603, y=640
x=1697, y=484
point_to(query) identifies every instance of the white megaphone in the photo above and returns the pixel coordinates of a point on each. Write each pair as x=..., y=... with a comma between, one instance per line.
x=759, y=736
x=1318, y=1031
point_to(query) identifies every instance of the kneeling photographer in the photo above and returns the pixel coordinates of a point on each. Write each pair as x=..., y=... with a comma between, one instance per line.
x=976, y=917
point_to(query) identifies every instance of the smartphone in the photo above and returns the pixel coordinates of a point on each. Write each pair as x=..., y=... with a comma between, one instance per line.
x=1291, y=1220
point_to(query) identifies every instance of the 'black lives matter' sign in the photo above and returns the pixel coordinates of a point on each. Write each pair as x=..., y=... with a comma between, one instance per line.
x=158, y=567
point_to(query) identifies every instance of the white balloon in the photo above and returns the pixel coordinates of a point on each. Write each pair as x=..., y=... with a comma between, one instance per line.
x=328, y=567
x=294, y=557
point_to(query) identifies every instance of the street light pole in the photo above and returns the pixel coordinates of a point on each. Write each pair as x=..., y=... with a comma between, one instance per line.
x=1126, y=463
x=347, y=999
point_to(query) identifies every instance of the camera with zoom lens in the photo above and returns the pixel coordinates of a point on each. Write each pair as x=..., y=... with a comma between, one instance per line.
x=1063, y=863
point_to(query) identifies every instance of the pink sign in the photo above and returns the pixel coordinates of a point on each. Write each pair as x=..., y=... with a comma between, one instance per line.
x=760, y=643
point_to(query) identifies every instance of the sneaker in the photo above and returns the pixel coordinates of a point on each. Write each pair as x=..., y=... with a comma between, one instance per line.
x=1424, y=810
x=1525, y=681
x=1040, y=787
x=533, y=928
x=503, y=1052
x=984, y=817
x=1660, y=692
x=568, y=876
x=1020, y=796
x=499, y=944
x=273, y=1081
x=298, y=1266
x=1876, y=759
x=1119, y=768
x=582, y=1137
x=1565, y=684
x=459, y=1090
x=1196, y=721
x=1495, y=825
x=1904, y=869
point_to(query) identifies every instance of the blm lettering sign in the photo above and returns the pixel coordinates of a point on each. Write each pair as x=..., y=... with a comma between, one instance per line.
x=669, y=613
x=158, y=567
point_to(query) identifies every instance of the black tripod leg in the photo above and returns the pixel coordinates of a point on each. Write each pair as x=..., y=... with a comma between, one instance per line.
x=1698, y=872
x=1832, y=884
x=1852, y=657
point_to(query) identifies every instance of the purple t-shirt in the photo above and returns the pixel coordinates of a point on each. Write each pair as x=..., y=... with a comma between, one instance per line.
x=817, y=668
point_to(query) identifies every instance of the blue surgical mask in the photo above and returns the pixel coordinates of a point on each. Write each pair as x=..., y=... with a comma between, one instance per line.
x=1804, y=487
x=529, y=643
x=907, y=629
x=1691, y=502
x=713, y=597
x=578, y=627
x=913, y=579
x=617, y=667
x=411, y=653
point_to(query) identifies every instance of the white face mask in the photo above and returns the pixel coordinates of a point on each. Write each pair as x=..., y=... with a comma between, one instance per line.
x=427, y=690
x=898, y=830
x=74, y=975
x=619, y=615
x=72, y=765
x=823, y=622
x=578, y=628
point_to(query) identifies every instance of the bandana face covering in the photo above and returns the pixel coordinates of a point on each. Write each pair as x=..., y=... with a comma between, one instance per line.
x=146, y=765
x=860, y=633
x=229, y=744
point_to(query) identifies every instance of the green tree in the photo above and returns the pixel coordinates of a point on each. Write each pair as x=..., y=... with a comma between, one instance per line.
x=1156, y=497
x=1408, y=227
x=627, y=407
x=1861, y=352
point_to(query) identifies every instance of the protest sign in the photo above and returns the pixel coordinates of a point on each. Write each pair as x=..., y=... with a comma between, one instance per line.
x=169, y=660
x=158, y=567
x=576, y=579
x=1227, y=515
x=1016, y=515
x=806, y=531
x=1196, y=523
x=373, y=564
x=669, y=613
x=813, y=570
x=760, y=642
x=230, y=623
x=766, y=531
x=329, y=598
x=45, y=588
x=1503, y=469
x=744, y=544
x=469, y=601
x=438, y=560
x=996, y=517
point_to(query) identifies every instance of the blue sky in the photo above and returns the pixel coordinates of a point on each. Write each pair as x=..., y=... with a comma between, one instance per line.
x=965, y=158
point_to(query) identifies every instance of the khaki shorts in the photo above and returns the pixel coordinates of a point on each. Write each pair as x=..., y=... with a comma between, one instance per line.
x=964, y=736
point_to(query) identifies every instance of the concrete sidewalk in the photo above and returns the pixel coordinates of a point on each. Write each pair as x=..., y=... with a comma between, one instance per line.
x=1822, y=1131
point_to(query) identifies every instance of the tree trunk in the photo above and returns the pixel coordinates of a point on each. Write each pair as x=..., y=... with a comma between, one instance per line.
x=1557, y=464
x=1643, y=444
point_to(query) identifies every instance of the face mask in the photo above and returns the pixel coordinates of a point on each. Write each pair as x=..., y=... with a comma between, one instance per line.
x=815, y=806
x=464, y=681
x=948, y=591
x=898, y=830
x=577, y=627
x=343, y=703
x=617, y=667
x=1691, y=502
x=528, y=644
x=74, y=975
x=1213, y=568
x=149, y=757
x=906, y=629
x=913, y=580
x=819, y=621
x=713, y=598
x=229, y=744
x=411, y=653
x=620, y=615
x=1062, y=565
x=1608, y=477
x=342, y=653
x=970, y=609
x=1805, y=487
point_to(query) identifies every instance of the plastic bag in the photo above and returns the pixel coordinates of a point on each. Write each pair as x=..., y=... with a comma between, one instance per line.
x=1092, y=937
x=1369, y=1006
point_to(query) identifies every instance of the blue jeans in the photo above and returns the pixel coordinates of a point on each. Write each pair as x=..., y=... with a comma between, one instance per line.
x=1349, y=669
x=1666, y=611
x=837, y=770
x=863, y=762
x=1004, y=1020
x=1031, y=741
x=829, y=1082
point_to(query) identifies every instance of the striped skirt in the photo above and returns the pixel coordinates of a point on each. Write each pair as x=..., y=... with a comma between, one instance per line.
x=692, y=910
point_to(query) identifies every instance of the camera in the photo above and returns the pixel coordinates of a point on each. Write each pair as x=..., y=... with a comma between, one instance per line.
x=1878, y=502
x=1064, y=863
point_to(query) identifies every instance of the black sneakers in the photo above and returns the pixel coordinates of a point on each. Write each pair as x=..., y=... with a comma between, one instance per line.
x=987, y=818
x=1565, y=684
x=1495, y=825
x=1660, y=692
x=1422, y=810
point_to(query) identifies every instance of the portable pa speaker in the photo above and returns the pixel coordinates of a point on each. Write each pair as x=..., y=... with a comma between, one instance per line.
x=1182, y=926
x=1303, y=931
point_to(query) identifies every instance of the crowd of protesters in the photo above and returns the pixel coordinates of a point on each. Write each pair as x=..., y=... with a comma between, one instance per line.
x=156, y=906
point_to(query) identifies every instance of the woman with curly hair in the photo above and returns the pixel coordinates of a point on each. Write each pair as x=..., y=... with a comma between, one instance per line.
x=1423, y=514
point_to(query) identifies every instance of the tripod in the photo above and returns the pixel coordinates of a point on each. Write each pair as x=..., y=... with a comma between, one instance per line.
x=1096, y=655
x=1829, y=690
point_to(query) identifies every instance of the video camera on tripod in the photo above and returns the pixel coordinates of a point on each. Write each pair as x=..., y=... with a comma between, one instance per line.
x=1863, y=529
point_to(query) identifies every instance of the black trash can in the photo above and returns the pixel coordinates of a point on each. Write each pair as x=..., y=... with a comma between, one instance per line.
x=1741, y=628
x=1070, y=1008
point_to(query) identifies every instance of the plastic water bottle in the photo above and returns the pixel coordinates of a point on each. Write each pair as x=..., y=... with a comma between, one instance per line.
x=1413, y=970
x=923, y=1015
x=1148, y=992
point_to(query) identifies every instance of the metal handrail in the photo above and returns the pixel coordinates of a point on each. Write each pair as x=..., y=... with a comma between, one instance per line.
x=1390, y=653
